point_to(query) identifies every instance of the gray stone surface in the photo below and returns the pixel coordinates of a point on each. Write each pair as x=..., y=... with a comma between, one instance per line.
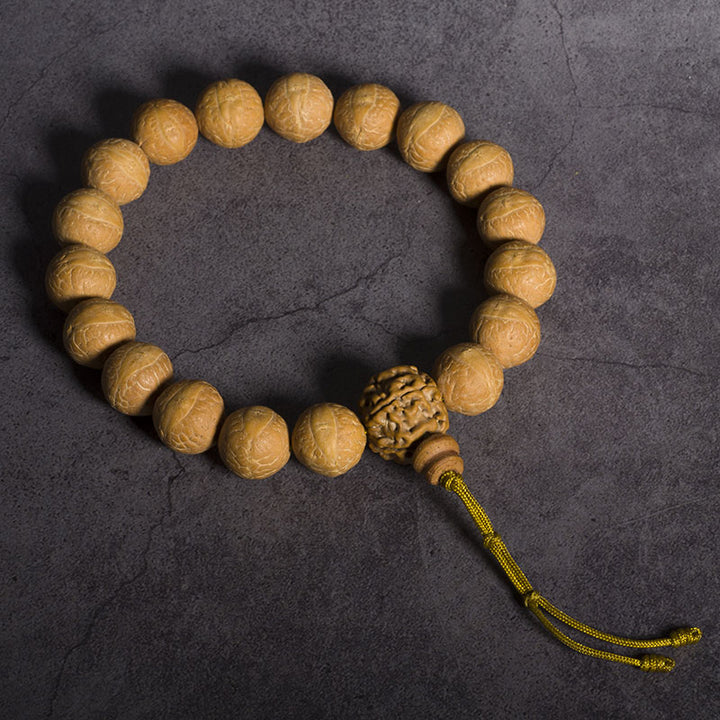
x=139, y=584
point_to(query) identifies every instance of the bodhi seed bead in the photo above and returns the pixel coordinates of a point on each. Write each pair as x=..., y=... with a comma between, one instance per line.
x=427, y=132
x=77, y=273
x=475, y=168
x=328, y=439
x=365, y=116
x=230, y=113
x=94, y=328
x=187, y=416
x=133, y=375
x=522, y=269
x=510, y=214
x=165, y=129
x=254, y=442
x=470, y=378
x=398, y=407
x=508, y=327
x=117, y=167
x=299, y=107
x=88, y=217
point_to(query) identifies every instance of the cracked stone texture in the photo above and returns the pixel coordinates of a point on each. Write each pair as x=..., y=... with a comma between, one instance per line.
x=139, y=584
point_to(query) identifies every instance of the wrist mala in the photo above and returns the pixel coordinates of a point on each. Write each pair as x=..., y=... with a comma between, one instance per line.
x=403, y=412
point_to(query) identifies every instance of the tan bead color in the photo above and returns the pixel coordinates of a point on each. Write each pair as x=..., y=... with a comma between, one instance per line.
x=133, y=376
x=470, y=378
x=299, y=107
x=328, y=439
x=187, y=416
x=475, y=168
x=76, y=273
x=510, y=214
x=522, y=269
x=117, y=167
x=508, y=327
x=435, y=455
x=94, y=328
x=427, y=132
x=165, y=129
x=88, y=217
x=254, y=442
x=230, y=113
x=398, y=407
x=365, y=116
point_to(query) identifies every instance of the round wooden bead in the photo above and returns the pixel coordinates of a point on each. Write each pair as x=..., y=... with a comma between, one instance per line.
x=117, y=167
x=328, y=439
x=94, y=328
x=299, y=107
x=522, y=269
x=510, y=214
x=398, y=407
x=230, y=113
x=133, y=376
x=475, y=168
x=470, y=378
x=365, y=116
x=508, y=327
x=435, y=455
x=165, y=129
x=427, y=132
x=76, y=273
x=254, y=442
x=88, y=217
x=187, y=415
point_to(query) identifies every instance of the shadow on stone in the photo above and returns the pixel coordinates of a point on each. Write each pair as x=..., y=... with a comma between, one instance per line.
x=115, y=108
x=343, y=378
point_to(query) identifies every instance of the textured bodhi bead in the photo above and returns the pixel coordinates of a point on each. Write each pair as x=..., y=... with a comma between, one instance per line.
x=299, y=107
x=522, y=269
x=229, y=113
x=254, y=442
x=475, y=168
x=76, y=273
x=508, y=327
x=328, y=439
x=470, y=378
x=117, y=167
x=187, y=415
x=427, y=132
x=510, y=214
x=165, y=129
x=435, y=455
x=88, y=217
x=133, y=376
x=365, y=116
x=94, y=328
x=398, y=407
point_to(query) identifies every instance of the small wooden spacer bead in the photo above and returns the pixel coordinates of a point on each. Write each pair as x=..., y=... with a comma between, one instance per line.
x=437, y=454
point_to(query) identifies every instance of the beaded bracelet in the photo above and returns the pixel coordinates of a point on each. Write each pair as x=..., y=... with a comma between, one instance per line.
x=403, y=411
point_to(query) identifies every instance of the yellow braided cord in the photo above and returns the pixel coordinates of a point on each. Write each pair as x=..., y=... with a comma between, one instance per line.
x=491, y=540
x=648, y=663
x=676, y=638
x=536, y=603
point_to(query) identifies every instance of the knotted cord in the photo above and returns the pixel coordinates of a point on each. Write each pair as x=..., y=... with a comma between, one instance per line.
x=539, y=605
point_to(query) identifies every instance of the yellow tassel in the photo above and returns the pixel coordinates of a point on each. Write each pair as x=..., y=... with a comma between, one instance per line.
x=541, y=607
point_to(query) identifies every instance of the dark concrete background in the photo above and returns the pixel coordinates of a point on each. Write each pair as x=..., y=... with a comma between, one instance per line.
x=139, y=584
